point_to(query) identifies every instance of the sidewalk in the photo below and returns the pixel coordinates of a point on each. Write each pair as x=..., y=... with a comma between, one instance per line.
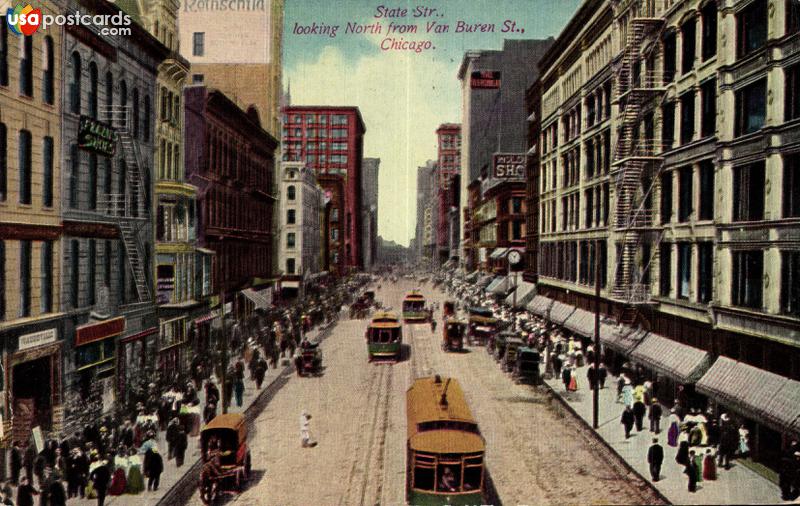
x=739, y=485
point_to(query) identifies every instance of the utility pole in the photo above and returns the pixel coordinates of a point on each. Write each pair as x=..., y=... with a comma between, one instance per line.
x=596, y=389
x=223, y=343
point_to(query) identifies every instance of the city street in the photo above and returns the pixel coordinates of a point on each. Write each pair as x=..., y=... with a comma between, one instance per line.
x=536, y=452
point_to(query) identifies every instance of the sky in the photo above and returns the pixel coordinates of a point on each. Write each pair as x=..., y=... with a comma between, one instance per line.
x=403, y=95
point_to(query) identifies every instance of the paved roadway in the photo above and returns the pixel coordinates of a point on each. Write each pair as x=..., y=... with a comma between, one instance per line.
x=536, y=452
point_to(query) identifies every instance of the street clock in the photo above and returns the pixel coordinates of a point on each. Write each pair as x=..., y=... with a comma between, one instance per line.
x=514, y=257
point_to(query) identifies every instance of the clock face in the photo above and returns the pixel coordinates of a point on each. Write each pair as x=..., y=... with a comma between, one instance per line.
x=514, y=257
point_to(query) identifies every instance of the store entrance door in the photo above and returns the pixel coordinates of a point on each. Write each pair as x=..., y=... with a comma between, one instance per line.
x=33, y=380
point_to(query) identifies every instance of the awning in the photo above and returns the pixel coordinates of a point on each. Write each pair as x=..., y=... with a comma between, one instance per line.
x=621, y=338
x=754, y=393
x=560, y=312
x=258, y=298
x=525, y=292
x=498, y=253
x=581, y=322
x=206, y=318
x=484, y=281
x=679, y=361
x=540, y=305
x=471, y=277
x=449, y=264
x=317, y=275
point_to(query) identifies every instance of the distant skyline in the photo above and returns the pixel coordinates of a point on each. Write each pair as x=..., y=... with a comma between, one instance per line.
x=403, y=96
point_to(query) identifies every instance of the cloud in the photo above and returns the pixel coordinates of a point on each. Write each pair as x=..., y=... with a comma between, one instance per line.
x=403, y=96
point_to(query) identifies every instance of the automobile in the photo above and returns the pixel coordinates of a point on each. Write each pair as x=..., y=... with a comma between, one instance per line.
x=453, y=335
x=526, y=368
x=308, y=359
x=226, y=457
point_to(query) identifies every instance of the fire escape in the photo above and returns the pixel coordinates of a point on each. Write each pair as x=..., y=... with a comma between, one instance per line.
x=129, y=208
x=637, y=159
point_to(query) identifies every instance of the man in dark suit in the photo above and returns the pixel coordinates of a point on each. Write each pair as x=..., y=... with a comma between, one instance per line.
x=100, y=477
x=655, y=457
x=691, y=471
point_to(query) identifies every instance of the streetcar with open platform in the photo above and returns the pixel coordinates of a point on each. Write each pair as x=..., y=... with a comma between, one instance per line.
x=445, y=448
x=384, y=337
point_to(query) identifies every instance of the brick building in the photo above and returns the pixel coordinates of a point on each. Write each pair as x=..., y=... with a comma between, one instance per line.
x=448, y=137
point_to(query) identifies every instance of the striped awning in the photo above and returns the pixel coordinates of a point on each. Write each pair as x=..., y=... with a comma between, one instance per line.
x=560, y=312
x=524, y=293
x=498, y=253
x=503, y=287
x=540, y=305
x=484, y=281
x=754, y=393
x=495, y=283
x=581, y=322
x=621, y=338
x=258, y=298
x=678, y=361
x=472, y=276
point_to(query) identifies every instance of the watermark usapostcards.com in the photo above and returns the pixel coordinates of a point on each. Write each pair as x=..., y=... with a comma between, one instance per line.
x=24, y=19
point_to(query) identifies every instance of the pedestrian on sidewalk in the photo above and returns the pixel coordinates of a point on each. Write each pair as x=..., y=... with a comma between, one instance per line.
x=209, y=412
x=25, y=492
x=602, y=374
x=709, y=466
x=627, y=393
x=655, y=416
x=627, y=421
x=153, y=467
x=56, y=494
x=591, y=377
x=305, y=430
x=639, y=411
x=566, y=376
x=674, y=428
x=16, y=462
x=100, y=477
x=682, y=457
x=260, y=371
x=172, y=432
x=729, y=440
x=181, y=443
x=690, y=470
x=655, y=457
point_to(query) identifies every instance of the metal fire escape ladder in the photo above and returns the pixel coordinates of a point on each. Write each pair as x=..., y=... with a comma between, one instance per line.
x=634, y=158
x=129, y=210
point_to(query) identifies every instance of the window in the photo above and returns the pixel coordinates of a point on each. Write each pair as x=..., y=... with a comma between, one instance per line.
x=74, y=167
x=516, y=230
x=109, y=176
x=670, y=46
x=24, y=277
x=197, y=79
x=684, y=269
x=706, y=190
x=290, y=265
x=751, y=28
x=109, y=89
x=666, y=197
x=26, y=67
x=665, y=268
x=790, y=283
x=747, y=286
x=3, y=62
x=146, y=122
x=93, y=90
x=685, y=193
x=708, y=96
x=687, y=117
x=668, y=125
x=2, y=277
x=3, y=161
x=198, y=43
x=290, y=192
x=290, y=240
x=751, y=108
x=792, y=100
x=748, y=192
x=48, y=71
x=75, y=84
x=25, y=171
x=792, y=17
x=75, y=272
x=92, y=181
x=689, y=43
x=92, y=274
x=135, y=98
x=46, y=286
x=709, y=15
x=705, y=271
x=47, y=172
x=107, y=263
x=791, y=186
x=290, y=216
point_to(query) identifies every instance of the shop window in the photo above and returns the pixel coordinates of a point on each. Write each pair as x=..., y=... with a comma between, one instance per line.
x=668, y=125
x=46, y=286
x=93, y=90
x=790, y=283
x=26, y=67
x=747, y=285
x=24, y=279
x=670, y=48
x=751, y=28
x=748, y=192
x=706, y=190
x=48, y=71
x=684, y=269
x=665, y=268
x=290, y=265
x=75, y=272
x=685, y=193
x=791, y=186
x=687, y=117
x=666, y=197
x=689, y=43
x=25, y=165
x=709, y=16
x=708, y=97
x=291, y=192
x=94, y=354
x=751, y=108
x=75, y=84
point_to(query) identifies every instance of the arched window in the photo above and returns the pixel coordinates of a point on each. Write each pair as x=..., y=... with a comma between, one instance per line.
x=109, y=89
x=290, y=192
x=48, y=72
x=75, y=84
x=93, y=90
x=3, y=54
x=146, y=119
x=26, y=67
x=123, y=102
x=136, y=118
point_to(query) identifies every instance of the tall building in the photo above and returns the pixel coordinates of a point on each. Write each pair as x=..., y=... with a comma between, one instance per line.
x=31, y=326
x=334, y=187
x=107, y=182
x=678, y=172
x=330, y=139
x=245, y=67
x=493, y=84
x=427, y=211
x=302, y=207
x=369, y=209
x=230, y=159
x=448, y=137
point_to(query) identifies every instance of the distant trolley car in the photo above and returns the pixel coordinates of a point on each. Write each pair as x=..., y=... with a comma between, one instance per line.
x=384, y=337
x=414, y=308
x=445, y=449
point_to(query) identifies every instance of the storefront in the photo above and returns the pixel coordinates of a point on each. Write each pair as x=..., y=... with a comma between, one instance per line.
x=172, y=355
x=33, y=380
x=95, y=364
x=200, y=332
x=132, y=364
